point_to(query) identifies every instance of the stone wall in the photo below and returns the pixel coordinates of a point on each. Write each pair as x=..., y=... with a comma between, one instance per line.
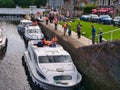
x=99, y=64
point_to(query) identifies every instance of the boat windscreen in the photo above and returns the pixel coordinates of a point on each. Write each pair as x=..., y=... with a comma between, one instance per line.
x=63, y=77
x=33, y=31
x=55, y=59
x=26, y=23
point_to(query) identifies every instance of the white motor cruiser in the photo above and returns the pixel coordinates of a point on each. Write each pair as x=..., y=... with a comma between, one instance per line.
x=22, y=24
x=51, y=68
x=3, y=39
x=33, y=33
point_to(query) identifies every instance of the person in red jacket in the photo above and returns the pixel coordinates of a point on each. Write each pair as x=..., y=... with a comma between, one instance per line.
x=54, y=41
x=46, y=20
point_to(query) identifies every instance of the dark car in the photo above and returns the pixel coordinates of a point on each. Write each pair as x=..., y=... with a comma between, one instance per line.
x=116, y=21
x=105, y=19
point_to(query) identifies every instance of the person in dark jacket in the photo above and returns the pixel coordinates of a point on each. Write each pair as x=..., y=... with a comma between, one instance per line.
x=79, y=27
x=69, y=29
x=93, y=34
x=100, y=35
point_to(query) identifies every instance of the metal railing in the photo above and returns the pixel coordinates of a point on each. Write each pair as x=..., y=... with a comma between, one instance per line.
x=109, y=32
x=19, y=11
x=10, y=18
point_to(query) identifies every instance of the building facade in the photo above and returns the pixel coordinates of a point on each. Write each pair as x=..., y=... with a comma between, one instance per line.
x=106, y=3
x=55, y=3
x=116, y=7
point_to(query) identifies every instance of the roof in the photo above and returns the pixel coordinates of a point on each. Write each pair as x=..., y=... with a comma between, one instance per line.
x=33, y=27
x=48, y=51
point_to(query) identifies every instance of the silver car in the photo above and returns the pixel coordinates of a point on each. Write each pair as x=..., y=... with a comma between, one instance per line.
x=116, y=21
x=93, y=17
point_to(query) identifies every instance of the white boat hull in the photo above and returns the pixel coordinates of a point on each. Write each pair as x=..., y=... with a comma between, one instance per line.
x=3, y=43
x=39, y=81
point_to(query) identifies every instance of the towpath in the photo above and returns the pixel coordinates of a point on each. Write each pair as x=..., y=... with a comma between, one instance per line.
x=83, y=40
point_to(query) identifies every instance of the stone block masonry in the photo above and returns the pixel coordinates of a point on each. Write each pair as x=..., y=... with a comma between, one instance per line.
x=99, y=64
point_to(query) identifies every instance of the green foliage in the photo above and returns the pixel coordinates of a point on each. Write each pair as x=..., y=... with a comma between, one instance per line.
x=27, y=3
x=24, y=3
x=7, y=3
x=86, y=28
x=88, y=8
x=21, y=3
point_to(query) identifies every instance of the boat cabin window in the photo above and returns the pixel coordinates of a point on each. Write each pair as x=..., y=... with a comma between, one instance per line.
x=33, y=31
x=26, y=23
x=55, y=59
x=63, y=77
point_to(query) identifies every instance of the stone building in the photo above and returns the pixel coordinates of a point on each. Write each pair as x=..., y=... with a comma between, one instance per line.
x=116, y=7
x=55, y=3
x=106, y=3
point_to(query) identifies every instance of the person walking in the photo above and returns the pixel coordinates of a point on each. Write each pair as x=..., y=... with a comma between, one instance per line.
x=79, y=27
x=93, y=34
x=55, y=22
x=100, y=35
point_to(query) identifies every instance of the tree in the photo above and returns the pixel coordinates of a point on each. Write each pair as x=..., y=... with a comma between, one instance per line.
x=7, y=4
x=21, y=3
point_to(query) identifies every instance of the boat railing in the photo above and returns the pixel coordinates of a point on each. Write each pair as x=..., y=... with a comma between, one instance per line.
x=39, y=43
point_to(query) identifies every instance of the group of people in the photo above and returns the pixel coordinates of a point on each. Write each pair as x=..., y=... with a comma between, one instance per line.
x=94, y=34
x=79, y=28
x=67, y=27
x=50, y=43
x=52, y=19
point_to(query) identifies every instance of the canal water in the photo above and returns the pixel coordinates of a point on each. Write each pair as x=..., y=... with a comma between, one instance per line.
x=12, y=73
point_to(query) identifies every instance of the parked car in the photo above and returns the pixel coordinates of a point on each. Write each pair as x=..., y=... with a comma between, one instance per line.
x=116, y=21
x=93, y=17
x=106, y=19
x=84, y=17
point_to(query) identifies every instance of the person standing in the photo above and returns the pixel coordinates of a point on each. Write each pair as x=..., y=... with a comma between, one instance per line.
x=55, y=22
x=40, y=15
x=100, y=35
x=50, y=17
x=46, y=20
x=69, y=29
x=93, y=34
x=79, y=27
x=65, y=28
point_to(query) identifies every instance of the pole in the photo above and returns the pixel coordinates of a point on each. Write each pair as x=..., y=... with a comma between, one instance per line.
x=111, y=35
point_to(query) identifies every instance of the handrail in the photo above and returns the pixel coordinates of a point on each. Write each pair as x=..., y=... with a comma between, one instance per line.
x=110, y=32
x=106, y=33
